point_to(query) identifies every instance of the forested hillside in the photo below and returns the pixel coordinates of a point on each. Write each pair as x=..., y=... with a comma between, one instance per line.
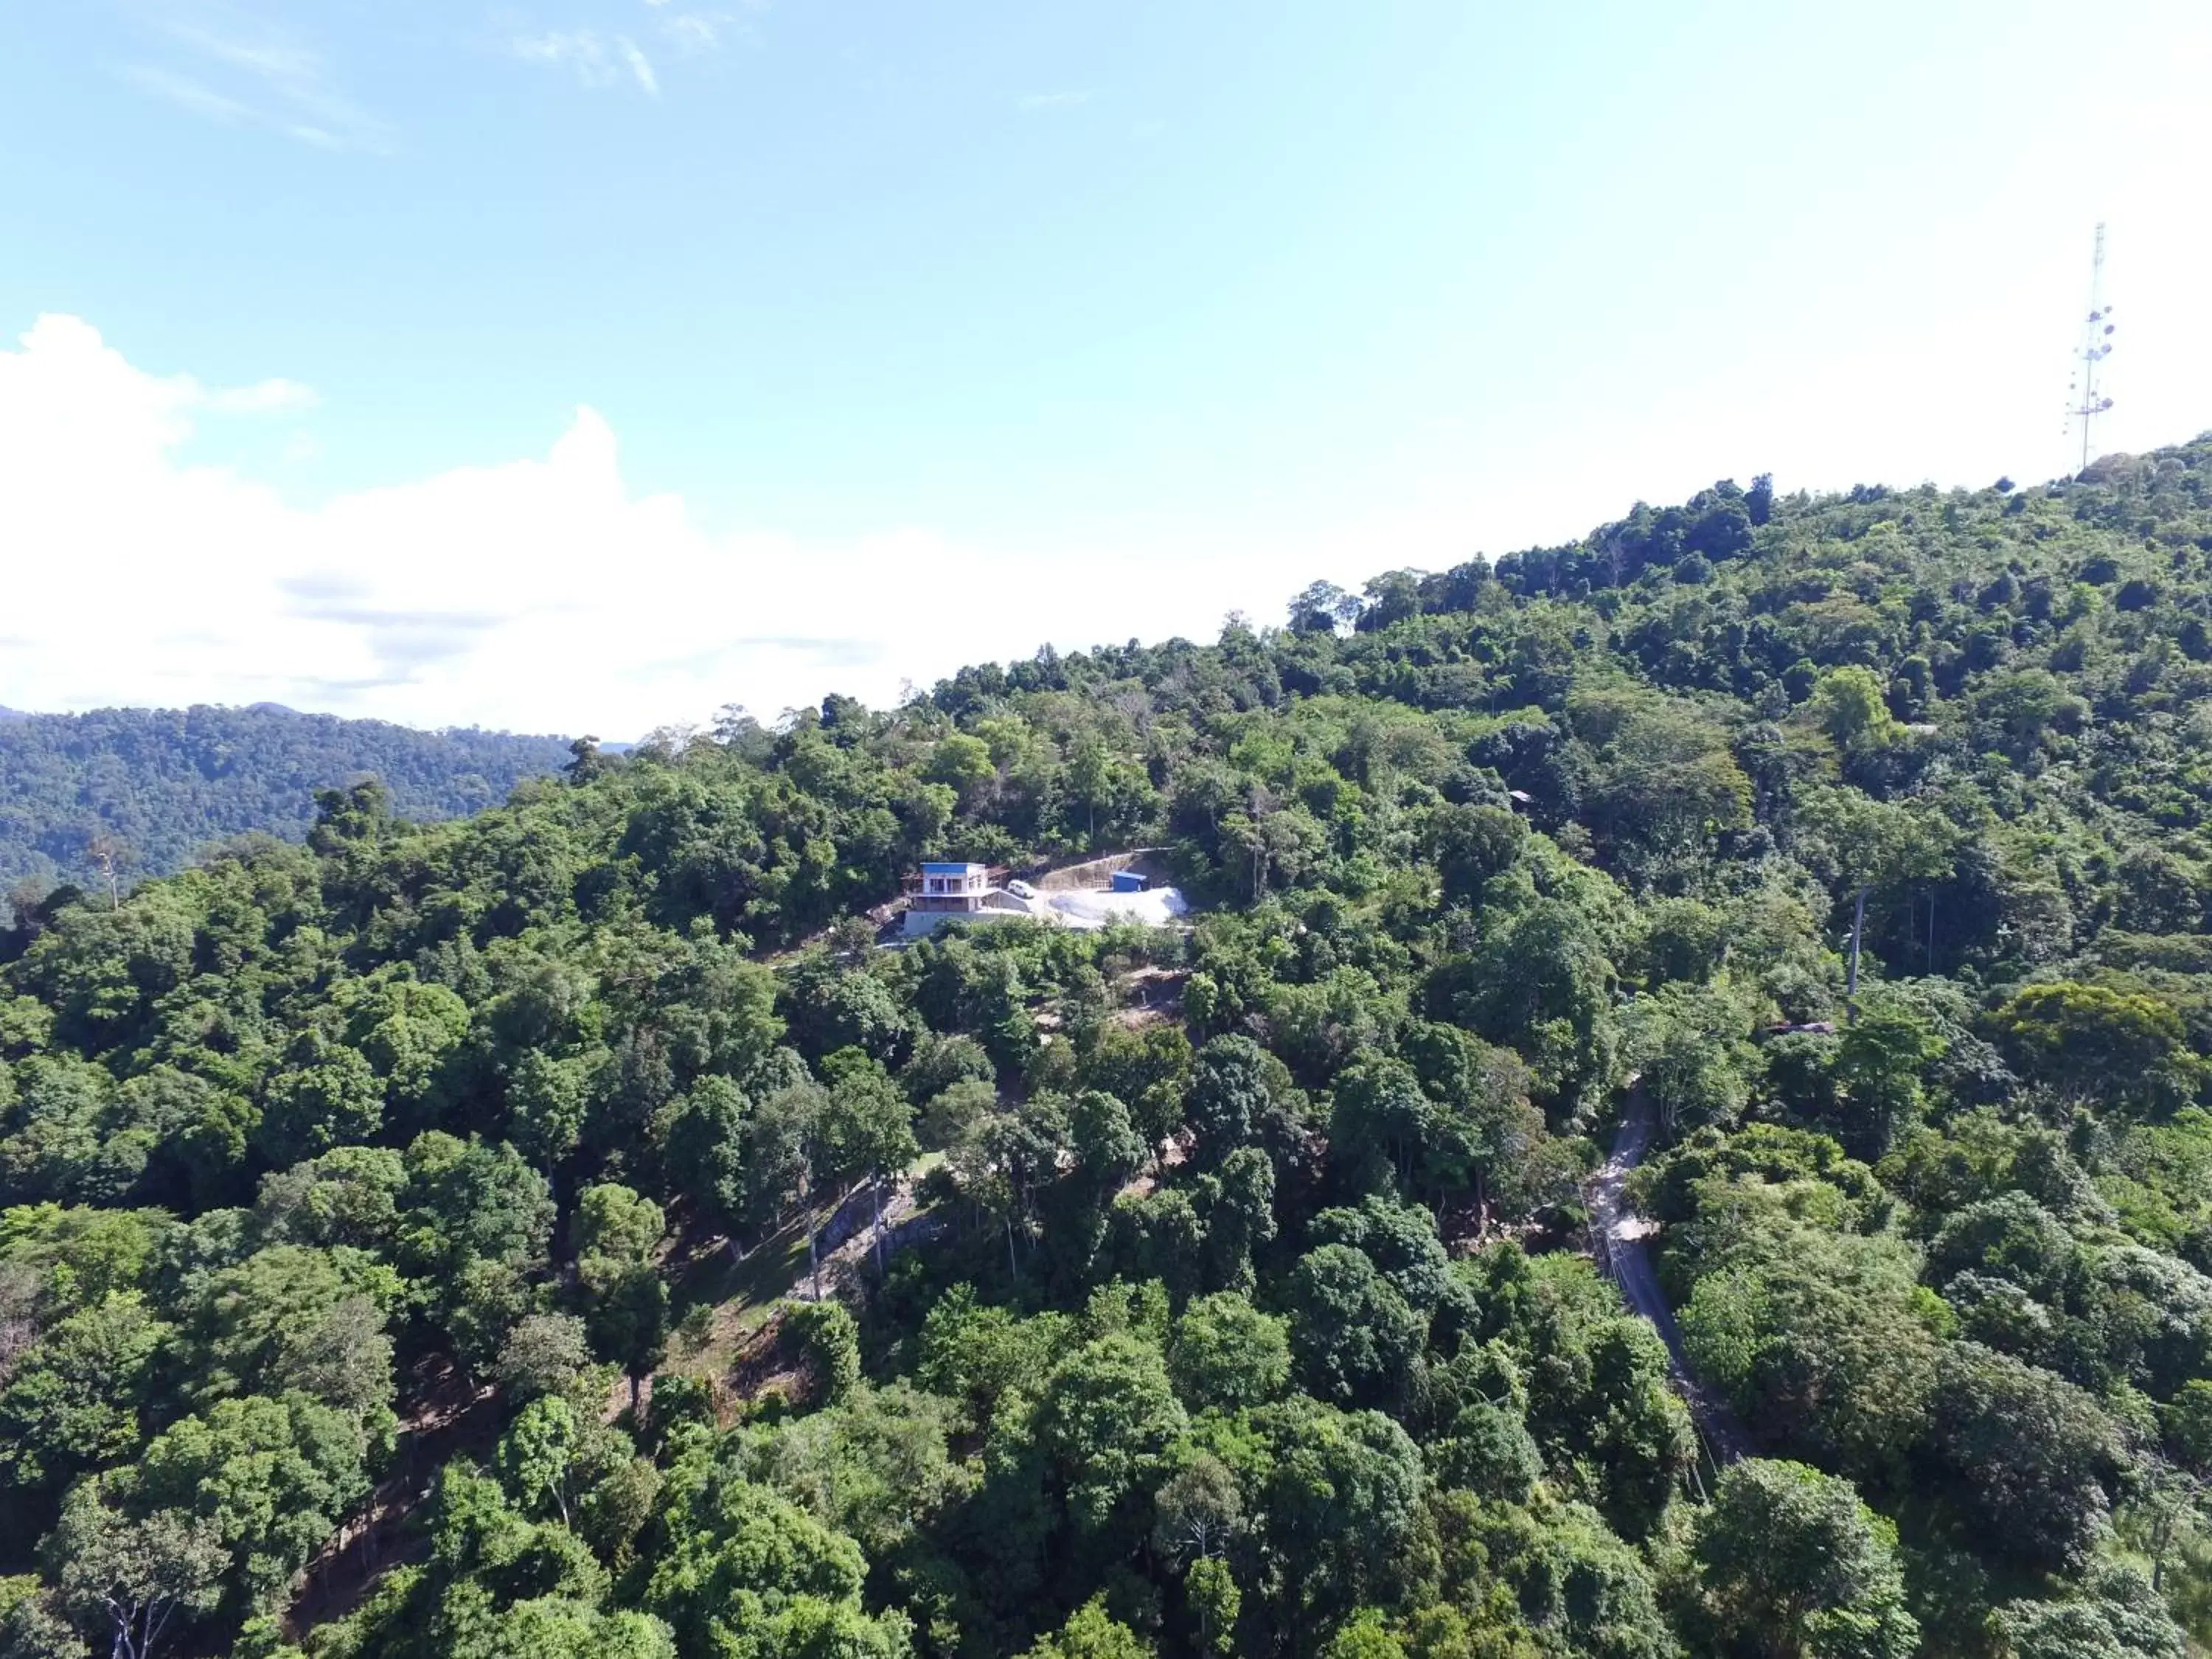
x=402, y=1228
x=129, y=793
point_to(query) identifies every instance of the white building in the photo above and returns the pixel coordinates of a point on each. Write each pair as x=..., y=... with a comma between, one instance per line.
x=962, y=892
x=956, y=892
x=953, y=887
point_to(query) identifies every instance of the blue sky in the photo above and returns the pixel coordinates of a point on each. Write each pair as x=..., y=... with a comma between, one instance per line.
x=594, y=363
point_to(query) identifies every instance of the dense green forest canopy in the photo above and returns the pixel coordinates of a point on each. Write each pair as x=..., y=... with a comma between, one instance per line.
x=138, y=791
x=410, y=1241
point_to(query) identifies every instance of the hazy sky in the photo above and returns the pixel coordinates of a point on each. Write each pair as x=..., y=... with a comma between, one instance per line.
x=588, y=364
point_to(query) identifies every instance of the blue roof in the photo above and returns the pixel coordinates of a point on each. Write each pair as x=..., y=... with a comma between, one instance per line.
x=950, y=869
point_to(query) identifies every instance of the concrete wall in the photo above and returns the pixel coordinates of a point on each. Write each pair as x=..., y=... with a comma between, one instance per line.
x=916, y=923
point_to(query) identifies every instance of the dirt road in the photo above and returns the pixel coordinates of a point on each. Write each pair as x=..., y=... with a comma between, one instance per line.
x=1618, y=1235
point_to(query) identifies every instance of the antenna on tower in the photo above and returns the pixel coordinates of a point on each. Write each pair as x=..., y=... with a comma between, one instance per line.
x=2085, y=401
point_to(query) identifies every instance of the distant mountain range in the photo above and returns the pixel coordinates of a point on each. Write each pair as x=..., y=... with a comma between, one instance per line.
x=162, y=783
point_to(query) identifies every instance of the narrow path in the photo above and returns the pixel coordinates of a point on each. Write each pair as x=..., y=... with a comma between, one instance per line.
x=450, y=1417
x=1617, y=1233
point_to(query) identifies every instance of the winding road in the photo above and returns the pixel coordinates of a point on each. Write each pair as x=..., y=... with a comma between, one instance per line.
x=1617, y=1233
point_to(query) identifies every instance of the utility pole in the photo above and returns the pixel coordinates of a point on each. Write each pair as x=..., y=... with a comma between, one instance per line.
x=2085, y=399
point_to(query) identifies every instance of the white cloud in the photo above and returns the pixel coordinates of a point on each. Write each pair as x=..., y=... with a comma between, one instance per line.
x=1034, y=103
x=189, y=94
x=540, y=595
x=596, y=60
x=640, y=69
x=544, y=594
x=578, y=49
x=277, y=84
x=692, y=32
x=695, y=33
x=271, y=397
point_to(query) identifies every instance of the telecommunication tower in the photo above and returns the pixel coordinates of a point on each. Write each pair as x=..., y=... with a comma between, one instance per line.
x=2085, y=400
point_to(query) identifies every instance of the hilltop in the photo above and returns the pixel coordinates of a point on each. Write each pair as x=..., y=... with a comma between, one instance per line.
x=155, y=785
x=413, y=1236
